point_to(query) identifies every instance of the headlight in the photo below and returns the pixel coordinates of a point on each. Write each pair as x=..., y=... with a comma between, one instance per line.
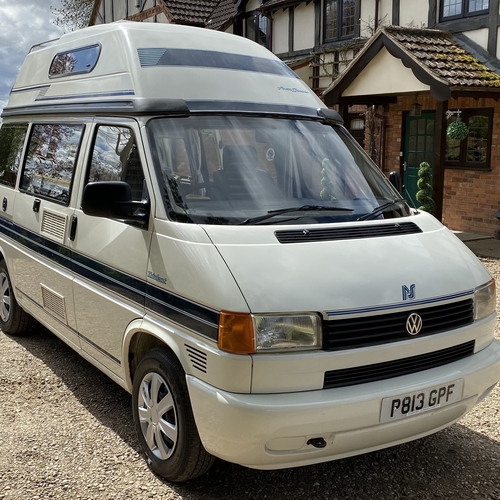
x=287, y=332
x=484, y=300
x=247, y=334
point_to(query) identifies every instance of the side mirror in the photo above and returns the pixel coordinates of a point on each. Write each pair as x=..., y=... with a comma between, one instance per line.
x=395, y=180
x=113, y=200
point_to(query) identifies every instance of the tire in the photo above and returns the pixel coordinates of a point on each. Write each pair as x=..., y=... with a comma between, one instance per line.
x=13, y=319
x=164, y=420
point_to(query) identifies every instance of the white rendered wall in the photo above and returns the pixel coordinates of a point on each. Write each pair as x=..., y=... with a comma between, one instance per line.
x=413, y=13
x=280, y=32
x=385, y=74
x=303, y=27
x=478, y=36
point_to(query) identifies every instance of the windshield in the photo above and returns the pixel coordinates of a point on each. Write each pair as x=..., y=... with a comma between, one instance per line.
x=258, y=170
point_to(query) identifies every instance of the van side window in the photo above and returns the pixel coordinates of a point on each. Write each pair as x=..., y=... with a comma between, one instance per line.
x=51, y=159
x=81, y=60
x=115, y=157
x=11, y=148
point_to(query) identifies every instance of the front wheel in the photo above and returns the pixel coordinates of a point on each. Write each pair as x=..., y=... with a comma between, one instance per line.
x=13, y=319
x=164, y=419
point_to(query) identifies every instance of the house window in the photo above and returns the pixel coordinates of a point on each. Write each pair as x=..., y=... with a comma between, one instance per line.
x=454, y=9
x=258, y=29
x=339, y=19
x=357, y=129
x=473, y=152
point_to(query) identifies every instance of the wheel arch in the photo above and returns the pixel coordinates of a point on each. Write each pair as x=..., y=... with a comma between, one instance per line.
x=141, y=337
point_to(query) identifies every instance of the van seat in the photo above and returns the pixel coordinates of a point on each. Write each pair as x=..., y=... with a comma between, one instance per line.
x=240, y=177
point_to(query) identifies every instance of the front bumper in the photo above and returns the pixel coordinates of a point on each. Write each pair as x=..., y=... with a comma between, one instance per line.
x=271, y=431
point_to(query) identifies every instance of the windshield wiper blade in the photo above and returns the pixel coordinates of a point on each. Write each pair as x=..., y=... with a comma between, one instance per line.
x=304, y=208
x=378, y=210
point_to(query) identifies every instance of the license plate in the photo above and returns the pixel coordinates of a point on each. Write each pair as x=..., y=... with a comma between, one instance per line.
x=421, y=401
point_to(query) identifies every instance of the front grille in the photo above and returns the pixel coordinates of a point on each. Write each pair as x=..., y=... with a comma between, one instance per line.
x=385, y=328
x=346, y=233
x=396, y=368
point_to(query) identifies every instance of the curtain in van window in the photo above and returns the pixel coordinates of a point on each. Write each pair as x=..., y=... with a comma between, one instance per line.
x=193, y=150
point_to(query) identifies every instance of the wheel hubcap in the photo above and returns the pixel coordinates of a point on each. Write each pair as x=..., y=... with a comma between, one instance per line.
x=5, y=297
x=157, y=415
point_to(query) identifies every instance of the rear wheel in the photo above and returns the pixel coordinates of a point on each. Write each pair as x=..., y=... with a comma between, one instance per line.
x=164, y=419
x=13, y=319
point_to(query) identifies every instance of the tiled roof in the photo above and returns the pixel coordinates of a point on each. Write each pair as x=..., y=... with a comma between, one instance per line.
x=223, y=14
x=194, y=12
x=438, y=52
x=278, y=4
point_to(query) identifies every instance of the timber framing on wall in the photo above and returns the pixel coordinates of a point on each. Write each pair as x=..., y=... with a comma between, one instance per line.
x=396, y=6
x=490, y=21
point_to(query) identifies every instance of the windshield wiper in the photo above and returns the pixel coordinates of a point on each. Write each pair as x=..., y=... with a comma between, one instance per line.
x=378, y=210
x=304, y=208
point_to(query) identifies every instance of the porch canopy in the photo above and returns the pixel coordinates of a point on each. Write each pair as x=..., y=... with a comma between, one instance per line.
x=398, y=61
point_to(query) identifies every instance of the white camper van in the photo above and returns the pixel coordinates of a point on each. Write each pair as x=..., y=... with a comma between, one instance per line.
x=181, y=209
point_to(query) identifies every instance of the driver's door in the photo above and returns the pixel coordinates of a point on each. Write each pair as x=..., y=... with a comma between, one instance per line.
x=110, y=256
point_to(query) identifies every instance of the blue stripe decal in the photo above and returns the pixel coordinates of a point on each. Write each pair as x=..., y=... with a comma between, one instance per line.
x=200, y=319
x=400, y=305
x=117, y=93
x=154, y=57
x=113, y=279
x=184, y=312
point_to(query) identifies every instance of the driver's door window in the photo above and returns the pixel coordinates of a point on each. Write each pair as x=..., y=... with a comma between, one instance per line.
x=115, y=157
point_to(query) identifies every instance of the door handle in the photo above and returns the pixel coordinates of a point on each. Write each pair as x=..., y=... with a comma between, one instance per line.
x=404, y=166
x=72, y=230
x=36, y=205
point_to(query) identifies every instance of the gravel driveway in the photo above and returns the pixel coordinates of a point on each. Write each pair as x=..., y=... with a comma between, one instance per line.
x=66, y=433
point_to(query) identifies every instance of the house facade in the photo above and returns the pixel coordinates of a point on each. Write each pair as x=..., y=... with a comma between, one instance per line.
x=387, y=97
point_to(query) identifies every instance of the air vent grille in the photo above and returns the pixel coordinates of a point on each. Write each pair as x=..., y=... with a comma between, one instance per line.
x=397, y=368
x=346, y=233
x=150, y=56
x=53, y=225
x=54, y=303
x=198, y=358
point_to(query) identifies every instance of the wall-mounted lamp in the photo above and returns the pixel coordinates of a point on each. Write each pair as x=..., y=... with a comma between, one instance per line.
x=416, y=109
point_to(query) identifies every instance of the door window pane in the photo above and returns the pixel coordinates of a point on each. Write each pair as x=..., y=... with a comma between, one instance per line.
x=357, y=129
x=51, y=160
x=11, y=147
x=250, y=31
x=115, y=157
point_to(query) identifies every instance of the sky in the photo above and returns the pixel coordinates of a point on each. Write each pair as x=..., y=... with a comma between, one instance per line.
x=22, y=25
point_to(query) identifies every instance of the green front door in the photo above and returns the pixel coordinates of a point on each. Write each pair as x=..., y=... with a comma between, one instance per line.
x=418, y=147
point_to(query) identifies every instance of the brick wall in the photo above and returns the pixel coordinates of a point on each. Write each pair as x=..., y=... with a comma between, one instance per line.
x=471, y=197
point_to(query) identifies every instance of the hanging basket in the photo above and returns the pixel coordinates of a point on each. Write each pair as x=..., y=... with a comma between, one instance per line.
x=457, y=131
